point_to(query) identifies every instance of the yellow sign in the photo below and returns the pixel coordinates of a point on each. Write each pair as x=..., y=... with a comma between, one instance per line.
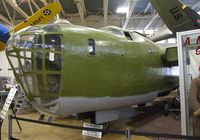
x=42, y=16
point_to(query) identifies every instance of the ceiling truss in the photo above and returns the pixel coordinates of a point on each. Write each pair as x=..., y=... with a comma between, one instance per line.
x=131, y=5
x=81, y=10
x=13, y=4
x=104, y=16
x=105, y=12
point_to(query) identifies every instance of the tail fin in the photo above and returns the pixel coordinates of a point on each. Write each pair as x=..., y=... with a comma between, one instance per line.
x=177, y=16
x=42, y=16
x=194, y=16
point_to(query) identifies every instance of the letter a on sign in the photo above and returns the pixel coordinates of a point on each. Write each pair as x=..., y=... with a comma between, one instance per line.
x=187, y=41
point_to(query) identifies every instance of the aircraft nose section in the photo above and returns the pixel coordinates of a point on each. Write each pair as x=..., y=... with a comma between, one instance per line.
x=36, y=60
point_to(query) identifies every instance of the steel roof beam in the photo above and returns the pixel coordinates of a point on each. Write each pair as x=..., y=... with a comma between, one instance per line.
x=83, y=5
x=147, y=8
x=63, y=12
x=8, y=13
x=196, y=5
x=13, y=4
x=79, y=4
x=30, y=6
x=38, y=8
x=5, y=20
x=105, y=12
x=151, y=21
x=131, y=7
x=44, y=2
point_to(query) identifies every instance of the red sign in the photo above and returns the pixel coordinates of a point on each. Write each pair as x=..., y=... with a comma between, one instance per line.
x=198, y=50
x=195, y=41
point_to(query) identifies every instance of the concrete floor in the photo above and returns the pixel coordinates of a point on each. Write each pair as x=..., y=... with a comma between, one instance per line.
x=32, y=131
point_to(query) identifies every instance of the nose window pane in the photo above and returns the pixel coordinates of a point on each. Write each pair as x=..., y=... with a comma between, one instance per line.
x=53, y=62
x=38, y=46
x=26, y=41
x=53, y=83
x=52, y=58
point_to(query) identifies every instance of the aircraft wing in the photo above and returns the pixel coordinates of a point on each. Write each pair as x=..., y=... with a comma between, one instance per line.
x=42, y=16
x=176, y=15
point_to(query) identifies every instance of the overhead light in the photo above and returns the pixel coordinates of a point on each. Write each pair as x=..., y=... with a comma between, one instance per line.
x=122, y=10
x=198, y=12
x=172, y=40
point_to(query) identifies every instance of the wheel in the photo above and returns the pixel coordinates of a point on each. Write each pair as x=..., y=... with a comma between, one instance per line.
x=106, y=125
x=166, y=109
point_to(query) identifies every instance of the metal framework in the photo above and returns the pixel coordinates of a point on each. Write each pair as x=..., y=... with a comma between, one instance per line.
x=104, y=17
x=131, y=5
x=81, y=10
x=105, y=11
x=127, y=132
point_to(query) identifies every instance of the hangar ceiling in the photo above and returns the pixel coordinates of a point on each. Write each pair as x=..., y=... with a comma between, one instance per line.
x=92, y=13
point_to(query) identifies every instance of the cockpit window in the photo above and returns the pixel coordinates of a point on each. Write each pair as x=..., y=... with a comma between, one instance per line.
x=91, y=46
x=26, y=41
x=116, y=32
x=34, y=29
x=51, y=28
x=128, y=36
x=136, y=37
x=53, y=58
x=53, y=61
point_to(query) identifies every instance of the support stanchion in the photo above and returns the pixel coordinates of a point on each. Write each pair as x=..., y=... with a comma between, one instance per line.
x=9, y=127
x=128, y=134
x=16, y=120
x=1, y=122
x=10, y=137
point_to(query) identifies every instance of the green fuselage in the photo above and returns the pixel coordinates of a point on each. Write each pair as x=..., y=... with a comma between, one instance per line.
x=117, y=66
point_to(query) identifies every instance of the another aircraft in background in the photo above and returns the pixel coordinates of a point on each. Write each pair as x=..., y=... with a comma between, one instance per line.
x=177, y=17
x=42, y=16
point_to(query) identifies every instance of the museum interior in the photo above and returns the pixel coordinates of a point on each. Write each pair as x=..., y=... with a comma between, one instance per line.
x=99, y=69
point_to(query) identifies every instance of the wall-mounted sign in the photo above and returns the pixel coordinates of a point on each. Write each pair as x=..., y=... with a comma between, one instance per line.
x=192, y=40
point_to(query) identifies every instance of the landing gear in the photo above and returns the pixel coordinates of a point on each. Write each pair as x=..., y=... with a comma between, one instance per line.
x=173, y=107
x=106, y=125
x=166, y=111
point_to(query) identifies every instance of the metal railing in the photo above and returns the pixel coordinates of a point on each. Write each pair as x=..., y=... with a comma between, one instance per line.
x=127, y=133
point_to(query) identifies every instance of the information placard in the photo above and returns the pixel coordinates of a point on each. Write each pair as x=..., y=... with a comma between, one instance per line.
x=92, y=133
x=7, y=103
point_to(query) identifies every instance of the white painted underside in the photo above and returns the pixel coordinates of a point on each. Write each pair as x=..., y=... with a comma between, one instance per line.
x=63, y=106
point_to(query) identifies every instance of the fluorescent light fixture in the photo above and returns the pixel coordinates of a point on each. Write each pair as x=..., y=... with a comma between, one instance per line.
x=172, y=40
x=122, y=10
x=161, y=42
x=198, y=12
